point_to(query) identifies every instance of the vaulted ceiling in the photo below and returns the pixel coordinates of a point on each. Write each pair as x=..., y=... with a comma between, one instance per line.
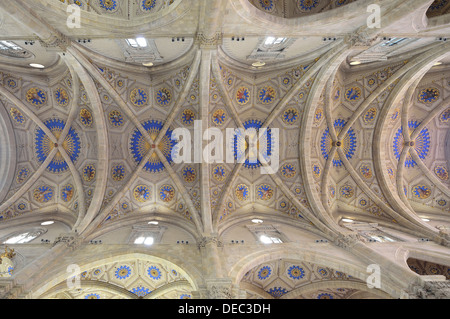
x=89, y=134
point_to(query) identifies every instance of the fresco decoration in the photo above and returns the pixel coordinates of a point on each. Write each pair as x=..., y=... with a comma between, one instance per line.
x=242, y=192
x=348, y=144
x=187, y=117
x=267, y=95
x=163, y=97
x=36, y=97
x=422, y=144
x=445, y=116
x=43, y=194
x=139, y=146
x=317, y=171
x=116, y=118
x=366, y=171
x=154, y=272
x=265, y=192
x=62, y=97
x=429, y=95
x=17, y=116
x=277, y=292
x=88, y=172
x=109, y=5
x=353, y=94
x=288, y=170
x=44, y=145
x=318, y=115
x=118, y=173
x=86, y=118
x=242, y=96
x=441, y=172
x=290, y=116
x=189, y=174
x=219, y=116
x=166, y=193
x=67, y=193
x=123, y=272
x=148, y=5
x=267, y=5
x=138, y=97
x=264, y=272
x=22, y=175
x=347, y=191
x=141, y=193
x=296, y=272
x=370, y=115
x=421, y=191
x=307, y=5
x=140, y=291
x=264, y=145
x=219, y=173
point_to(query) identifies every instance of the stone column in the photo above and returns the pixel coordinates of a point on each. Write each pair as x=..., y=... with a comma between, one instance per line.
x=34, y=273
x=428, y=290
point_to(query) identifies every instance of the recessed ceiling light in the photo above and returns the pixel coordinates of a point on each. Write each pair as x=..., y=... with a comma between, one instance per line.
x=141, y=41
x=148, y=241
x=153, y=223
x=355, y=62
x=37, y=66
x=347, y=220
x=257, y=221
x=147, y=64
x=258, y=64
x=47, y=223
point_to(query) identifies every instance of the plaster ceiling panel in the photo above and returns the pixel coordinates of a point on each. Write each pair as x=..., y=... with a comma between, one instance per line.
x=39, y=55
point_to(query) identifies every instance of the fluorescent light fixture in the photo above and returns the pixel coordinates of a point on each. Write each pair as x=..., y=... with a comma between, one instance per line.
x=132, y=42
x=257, y=221
x=265, y=240
x=50, y=222
x=141, y=41
x=425, y=219
x=279, y=40
x=269, y=40
x=139, y=240
x=355, y=62
x=258, y=64
x=153, y=223
x=148, y=241
x=437, y=63
x=347, y=220
x=147, y=64
x=37, y=65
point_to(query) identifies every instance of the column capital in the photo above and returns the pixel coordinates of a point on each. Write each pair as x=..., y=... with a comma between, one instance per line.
x=71, y=240
x=429, y=290
x=204, y=241
x=209, y=42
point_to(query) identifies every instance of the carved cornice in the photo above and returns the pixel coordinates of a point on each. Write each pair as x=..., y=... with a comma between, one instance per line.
x=362, y=40
x=430, y=290
x=58, y=42
x=204, y=241
x=347, y=241
x=71, y=240
x=209, y=42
